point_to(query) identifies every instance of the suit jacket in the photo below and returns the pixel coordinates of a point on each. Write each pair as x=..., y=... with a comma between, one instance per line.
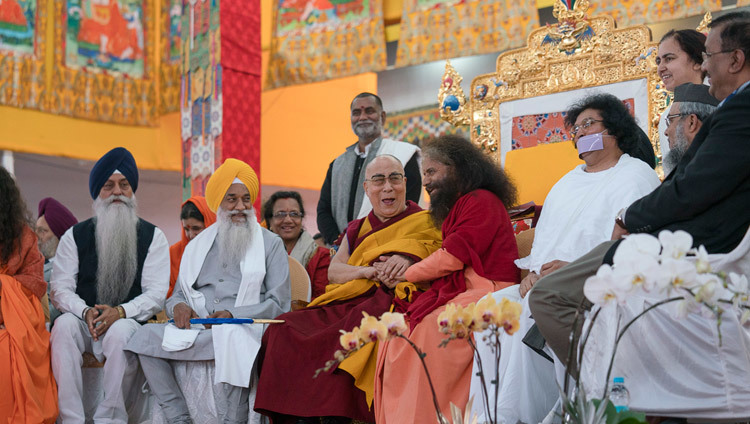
x=708, y=193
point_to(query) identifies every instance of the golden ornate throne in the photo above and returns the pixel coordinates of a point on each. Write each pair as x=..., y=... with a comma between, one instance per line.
x=531, y=85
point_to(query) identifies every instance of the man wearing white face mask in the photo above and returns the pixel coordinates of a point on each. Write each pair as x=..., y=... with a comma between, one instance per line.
x=577, y=216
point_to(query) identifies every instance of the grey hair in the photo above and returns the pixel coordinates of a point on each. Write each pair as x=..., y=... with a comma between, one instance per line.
x=701, y=110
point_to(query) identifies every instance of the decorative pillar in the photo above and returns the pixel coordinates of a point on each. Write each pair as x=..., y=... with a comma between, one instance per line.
x=220, y=92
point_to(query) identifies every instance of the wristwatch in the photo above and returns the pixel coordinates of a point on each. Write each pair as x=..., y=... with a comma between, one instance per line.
x=620, y=219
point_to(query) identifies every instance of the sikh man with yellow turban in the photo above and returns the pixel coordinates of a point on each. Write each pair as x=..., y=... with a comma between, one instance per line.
x=233, y=269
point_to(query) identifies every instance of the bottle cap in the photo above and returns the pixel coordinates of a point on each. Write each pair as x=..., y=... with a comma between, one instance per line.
x=618, y=380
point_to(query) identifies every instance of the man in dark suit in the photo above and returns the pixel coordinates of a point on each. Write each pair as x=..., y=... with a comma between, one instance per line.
x=706, y=195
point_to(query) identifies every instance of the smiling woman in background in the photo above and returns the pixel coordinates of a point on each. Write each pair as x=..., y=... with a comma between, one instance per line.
x=195, y=216
x=283, y=213
x=679, y=61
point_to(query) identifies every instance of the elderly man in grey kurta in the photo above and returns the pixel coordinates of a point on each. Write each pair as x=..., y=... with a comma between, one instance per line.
x=233, y=269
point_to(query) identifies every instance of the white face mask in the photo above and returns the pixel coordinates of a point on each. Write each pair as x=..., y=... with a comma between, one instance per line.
x=590, y=143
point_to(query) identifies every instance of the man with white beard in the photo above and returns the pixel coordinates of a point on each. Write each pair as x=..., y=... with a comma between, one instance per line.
x=692, y=105
x=232, y=269
x=111, y=273
x=342, y=197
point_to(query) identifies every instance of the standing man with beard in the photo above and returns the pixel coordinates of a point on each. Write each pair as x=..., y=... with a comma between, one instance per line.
x=692, y=105
x=54, y=220
x=342, y=197
x=111, y=273
x=469, y=195
x=232, y=269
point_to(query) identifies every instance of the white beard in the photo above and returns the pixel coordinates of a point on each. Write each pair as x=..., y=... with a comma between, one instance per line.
x=233, y=237
x=116, y=248
x=49, y=247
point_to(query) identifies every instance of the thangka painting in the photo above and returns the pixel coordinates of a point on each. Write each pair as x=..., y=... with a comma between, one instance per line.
x=105, y=35
x=635, y=12
x=171, y=48
x=439, y=29
x=17, y=23
x=23, y=25
x=104, y=57
x=315, y=40
x=418, y=125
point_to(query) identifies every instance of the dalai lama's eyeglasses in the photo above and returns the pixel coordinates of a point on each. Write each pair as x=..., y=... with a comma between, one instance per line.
x=394, y=178
x=583, y=126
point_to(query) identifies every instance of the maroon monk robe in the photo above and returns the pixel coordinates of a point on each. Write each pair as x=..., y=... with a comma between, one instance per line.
x=291, y=352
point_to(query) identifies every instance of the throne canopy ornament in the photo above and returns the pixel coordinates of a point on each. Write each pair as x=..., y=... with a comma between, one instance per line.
x=534, y=85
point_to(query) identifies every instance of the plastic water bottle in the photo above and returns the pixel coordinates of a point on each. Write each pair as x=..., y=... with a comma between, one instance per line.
x=619, y=395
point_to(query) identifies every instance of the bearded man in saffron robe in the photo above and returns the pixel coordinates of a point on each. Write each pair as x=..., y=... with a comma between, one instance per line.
x=469, y=195
x=30, y=392
x=366, y=276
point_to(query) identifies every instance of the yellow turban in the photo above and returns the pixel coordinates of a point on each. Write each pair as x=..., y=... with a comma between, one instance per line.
x=224, y=176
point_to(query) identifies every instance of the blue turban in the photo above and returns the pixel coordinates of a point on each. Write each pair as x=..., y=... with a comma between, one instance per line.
x=117, y=159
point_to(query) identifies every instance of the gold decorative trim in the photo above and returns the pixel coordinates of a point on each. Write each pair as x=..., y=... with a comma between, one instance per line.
x=577, y=52
x=170, y=73
x=102, y=96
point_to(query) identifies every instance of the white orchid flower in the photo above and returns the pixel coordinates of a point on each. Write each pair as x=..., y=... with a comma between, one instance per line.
x=710, y=289
x=738, y=285
x=675, y=274
x=702, y=265
x=636, y=246
x=605, y=287
x=675, y=245
x=639, y=272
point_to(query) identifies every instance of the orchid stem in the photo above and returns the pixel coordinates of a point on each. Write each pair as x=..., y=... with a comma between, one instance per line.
x=429, y=380
x=481, y=378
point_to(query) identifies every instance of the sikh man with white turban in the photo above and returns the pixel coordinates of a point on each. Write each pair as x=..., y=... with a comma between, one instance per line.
x=111, y=273
x=233, y=269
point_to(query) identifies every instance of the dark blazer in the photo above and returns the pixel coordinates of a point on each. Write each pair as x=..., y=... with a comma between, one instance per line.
x=708, y=193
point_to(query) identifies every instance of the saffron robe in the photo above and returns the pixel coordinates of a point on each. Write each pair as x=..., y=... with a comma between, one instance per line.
x=479, y=234
x=293, y=351
x=25, y=371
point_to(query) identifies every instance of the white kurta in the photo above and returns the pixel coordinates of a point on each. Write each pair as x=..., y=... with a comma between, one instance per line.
x=578, y=214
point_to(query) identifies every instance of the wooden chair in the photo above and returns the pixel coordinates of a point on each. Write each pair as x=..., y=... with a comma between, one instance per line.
x=301, y=288
x=524, y=239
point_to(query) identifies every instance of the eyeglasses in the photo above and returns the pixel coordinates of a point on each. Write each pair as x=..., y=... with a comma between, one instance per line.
x=394, y=178
x=668, y=119
x=583, y=126
x=283, y=214
x=707, y=55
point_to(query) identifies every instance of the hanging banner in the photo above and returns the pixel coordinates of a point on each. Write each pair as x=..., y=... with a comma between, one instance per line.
x=104, y=61
x=23, y=28
x=316, y=40
x=220, y=88
x=637, y=12
x=170, y=49
x=441, y=29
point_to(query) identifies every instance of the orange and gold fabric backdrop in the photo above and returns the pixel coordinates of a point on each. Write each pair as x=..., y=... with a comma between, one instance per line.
x=635, y=12
x=325, y=39
x=439, y=29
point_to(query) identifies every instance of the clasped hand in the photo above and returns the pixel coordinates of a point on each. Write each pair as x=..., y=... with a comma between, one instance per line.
x=390, y=269
x=100, y=318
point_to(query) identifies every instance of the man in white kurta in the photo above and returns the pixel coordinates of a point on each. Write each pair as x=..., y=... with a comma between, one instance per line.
x=233, y=269
x=110, y=274
x=578, y=214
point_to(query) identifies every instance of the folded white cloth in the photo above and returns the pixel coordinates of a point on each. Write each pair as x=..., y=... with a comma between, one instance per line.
x=176, y=339
x=235, y=349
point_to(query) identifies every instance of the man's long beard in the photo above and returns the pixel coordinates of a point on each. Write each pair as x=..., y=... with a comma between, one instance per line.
x=233, y=238
x=116, y=248
x=367, y=129
x=49, y=247
x=442, y=200
x=677, y=152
